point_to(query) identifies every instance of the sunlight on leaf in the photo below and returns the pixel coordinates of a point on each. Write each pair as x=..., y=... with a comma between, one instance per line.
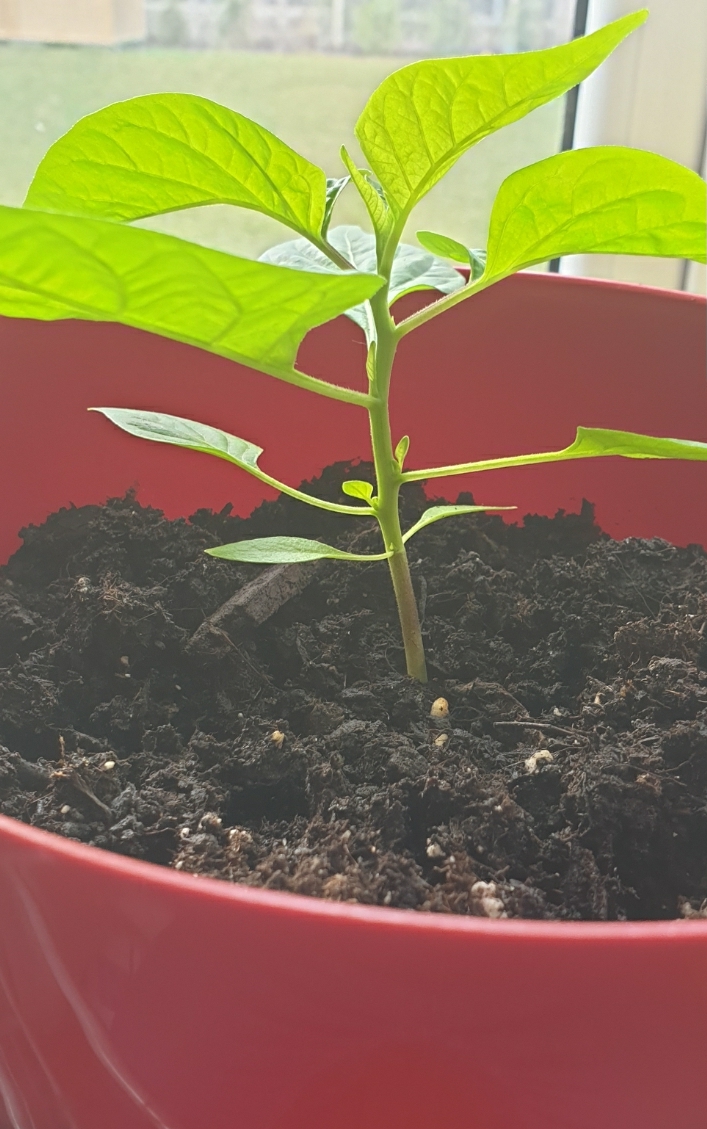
x=164, y=152
x=605, y=199
x=54, y=267
x=422, y=118
x=334, y=188
x=376, y=204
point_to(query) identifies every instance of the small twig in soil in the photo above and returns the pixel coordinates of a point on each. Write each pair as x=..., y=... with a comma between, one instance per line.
x=75, y=778
x=254, y=602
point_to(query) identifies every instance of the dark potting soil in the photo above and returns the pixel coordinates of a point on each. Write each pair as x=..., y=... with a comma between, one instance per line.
x=276, y=741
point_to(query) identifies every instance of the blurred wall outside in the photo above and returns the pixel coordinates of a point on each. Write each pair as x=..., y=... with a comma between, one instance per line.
x=101, y=22
x=370, y=27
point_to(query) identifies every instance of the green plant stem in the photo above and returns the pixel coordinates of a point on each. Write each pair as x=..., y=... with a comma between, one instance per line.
x=389, y=479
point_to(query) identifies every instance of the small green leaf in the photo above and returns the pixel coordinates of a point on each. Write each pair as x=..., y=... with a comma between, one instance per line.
x=357, y=489
x=286, y=550
x=334, y=188
x=605, y=199
x=418, y=270
x=590, y=442
x=371, y=357
x=54, y=267
x=412, y=269
x=301, y=254
x=179, y=432
x=161, y=428
x=477, y=263
x=444, y=245
x=437, y=513
x=372, y=196
x=163, y=152
x=401, y=450
x=422, y=118
x=448, y=248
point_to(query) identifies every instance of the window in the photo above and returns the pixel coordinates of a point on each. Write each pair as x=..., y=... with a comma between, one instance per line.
x=303, y=68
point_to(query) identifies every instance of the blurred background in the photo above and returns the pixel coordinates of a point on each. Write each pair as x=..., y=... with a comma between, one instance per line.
x=304, y=69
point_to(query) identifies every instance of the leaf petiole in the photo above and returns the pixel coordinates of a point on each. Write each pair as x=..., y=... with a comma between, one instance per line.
x=322, y=387
x=590, y=442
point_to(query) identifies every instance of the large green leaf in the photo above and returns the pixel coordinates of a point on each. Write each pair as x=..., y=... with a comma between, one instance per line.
x=55, y=267
x=422, y=118
x=589, y=443
x=605, y=199
x=163, y=152
x=413, y=269
x=286, y=550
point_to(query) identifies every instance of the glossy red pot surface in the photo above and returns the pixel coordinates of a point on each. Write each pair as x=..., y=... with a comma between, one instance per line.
x=134, y=997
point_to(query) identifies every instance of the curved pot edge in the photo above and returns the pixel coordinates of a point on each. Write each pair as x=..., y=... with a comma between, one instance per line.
x=21, y=835
x=615, y=284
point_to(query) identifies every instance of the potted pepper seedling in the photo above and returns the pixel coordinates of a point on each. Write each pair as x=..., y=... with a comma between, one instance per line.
x=71, y=252
x=163, y=152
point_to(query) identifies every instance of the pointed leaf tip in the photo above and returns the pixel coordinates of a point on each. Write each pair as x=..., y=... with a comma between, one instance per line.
x=422, y=118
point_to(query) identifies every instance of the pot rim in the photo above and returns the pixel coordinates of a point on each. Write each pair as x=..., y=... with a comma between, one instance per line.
x=552, y=278
x=284, y=904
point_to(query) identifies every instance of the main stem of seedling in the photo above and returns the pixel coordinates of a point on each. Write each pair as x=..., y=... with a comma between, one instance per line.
x=389, y=480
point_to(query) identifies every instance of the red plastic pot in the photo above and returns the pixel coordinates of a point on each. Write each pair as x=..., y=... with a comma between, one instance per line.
x=134, y=997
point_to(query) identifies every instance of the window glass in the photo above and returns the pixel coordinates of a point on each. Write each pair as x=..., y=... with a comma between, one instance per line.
x=303, y=68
